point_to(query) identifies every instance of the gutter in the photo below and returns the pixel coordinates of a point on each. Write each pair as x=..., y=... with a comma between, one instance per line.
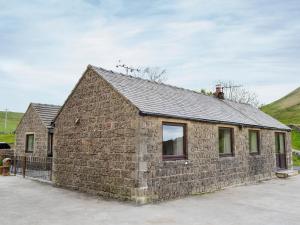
x=141, y=113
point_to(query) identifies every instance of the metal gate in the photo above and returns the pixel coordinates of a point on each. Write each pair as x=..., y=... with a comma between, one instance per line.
x=31, y=166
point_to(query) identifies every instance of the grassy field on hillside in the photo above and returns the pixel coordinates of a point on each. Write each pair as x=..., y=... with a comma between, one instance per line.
x=296, y=140
x=13, y=118
x=8, y=138
x=286, y=109
x=296, y=160
x=289, y=115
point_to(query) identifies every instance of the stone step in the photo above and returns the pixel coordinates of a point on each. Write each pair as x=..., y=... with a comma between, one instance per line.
x=286, y=173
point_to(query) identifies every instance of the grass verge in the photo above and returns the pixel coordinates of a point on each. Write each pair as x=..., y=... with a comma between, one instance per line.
x=8, y=138
x=296, y=140
x=296, y=160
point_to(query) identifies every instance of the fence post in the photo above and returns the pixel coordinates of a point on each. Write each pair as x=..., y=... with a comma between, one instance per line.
x=15, y=165
x=51, y=167
x=24, y=166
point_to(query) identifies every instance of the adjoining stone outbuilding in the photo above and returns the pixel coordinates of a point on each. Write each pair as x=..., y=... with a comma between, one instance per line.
x=34, y=134
x=129, y=138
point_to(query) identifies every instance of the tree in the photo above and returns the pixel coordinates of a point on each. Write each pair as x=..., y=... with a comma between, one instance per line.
x=238, y=93
x=151, y=73
x=206, y=92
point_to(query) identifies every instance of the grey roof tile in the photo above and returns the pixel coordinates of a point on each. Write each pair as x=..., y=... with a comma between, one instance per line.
x=46, y=112
x=160, y=99
x=257, y=115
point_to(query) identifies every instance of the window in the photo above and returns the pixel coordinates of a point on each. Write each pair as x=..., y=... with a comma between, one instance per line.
x=279, y=143
x=225, y=141
x=174, y=141
x=254, y=141
x=29, y=142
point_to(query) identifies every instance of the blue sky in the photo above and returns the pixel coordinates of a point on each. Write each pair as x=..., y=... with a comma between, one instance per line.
x=46, y=45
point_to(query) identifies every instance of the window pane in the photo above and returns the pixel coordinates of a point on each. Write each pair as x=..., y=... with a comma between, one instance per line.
x=277, y=143
x=173, y=140
x=281, y=143
x=225, y=141
x=253, y=135
x=30, y=142
x=221, y=142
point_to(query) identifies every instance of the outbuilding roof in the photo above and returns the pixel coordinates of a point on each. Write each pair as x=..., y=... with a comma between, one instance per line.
x=46, y=112
x=159, y=99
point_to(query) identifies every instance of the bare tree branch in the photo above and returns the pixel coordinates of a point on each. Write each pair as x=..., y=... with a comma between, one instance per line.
x=151, y=73
x=239, y=94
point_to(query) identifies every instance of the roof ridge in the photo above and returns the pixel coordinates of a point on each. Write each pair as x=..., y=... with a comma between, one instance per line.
x=45, y=112
x=38, y=113
x=161, y=83
x=244, y=114
x=243, y=103
x=151, y=81
x=160, y=99
x=35, y=103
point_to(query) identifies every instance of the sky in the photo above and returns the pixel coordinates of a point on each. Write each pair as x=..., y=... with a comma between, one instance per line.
x=45, y=46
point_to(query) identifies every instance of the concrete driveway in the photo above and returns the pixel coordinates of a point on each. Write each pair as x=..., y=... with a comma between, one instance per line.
x=26, y=202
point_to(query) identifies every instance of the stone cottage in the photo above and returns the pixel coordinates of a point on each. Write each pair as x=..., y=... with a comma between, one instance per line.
x=128, y=138
x=34, y=134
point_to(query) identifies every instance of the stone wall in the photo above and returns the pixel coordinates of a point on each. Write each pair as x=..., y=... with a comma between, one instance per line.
x=31, y=123
x=6, y=153
x=204, y=170
x=95, y=141
x=103, y=146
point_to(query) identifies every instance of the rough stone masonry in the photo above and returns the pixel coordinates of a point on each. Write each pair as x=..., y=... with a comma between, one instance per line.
x=31, y=124
x=104, y=146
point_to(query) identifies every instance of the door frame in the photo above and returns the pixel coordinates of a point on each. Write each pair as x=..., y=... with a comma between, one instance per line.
x=281, y=157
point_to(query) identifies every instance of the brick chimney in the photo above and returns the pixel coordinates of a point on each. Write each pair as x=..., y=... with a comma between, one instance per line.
x=219, y=92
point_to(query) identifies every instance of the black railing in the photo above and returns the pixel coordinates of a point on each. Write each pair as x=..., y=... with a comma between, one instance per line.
x=31, y=166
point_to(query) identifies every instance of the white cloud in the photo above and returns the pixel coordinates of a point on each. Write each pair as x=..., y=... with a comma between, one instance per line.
x=45, y=47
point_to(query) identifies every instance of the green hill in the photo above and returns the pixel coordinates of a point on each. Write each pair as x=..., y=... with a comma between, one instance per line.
x=7, y=134
x=287, y=110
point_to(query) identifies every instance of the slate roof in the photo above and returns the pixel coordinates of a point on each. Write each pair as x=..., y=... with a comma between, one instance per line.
x=46, y=112
x=153, y=98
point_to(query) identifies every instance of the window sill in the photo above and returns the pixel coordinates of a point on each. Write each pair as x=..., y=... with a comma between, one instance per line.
x=174, y=163
x=254, y=153
x=174, y=158
x=225, y=155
